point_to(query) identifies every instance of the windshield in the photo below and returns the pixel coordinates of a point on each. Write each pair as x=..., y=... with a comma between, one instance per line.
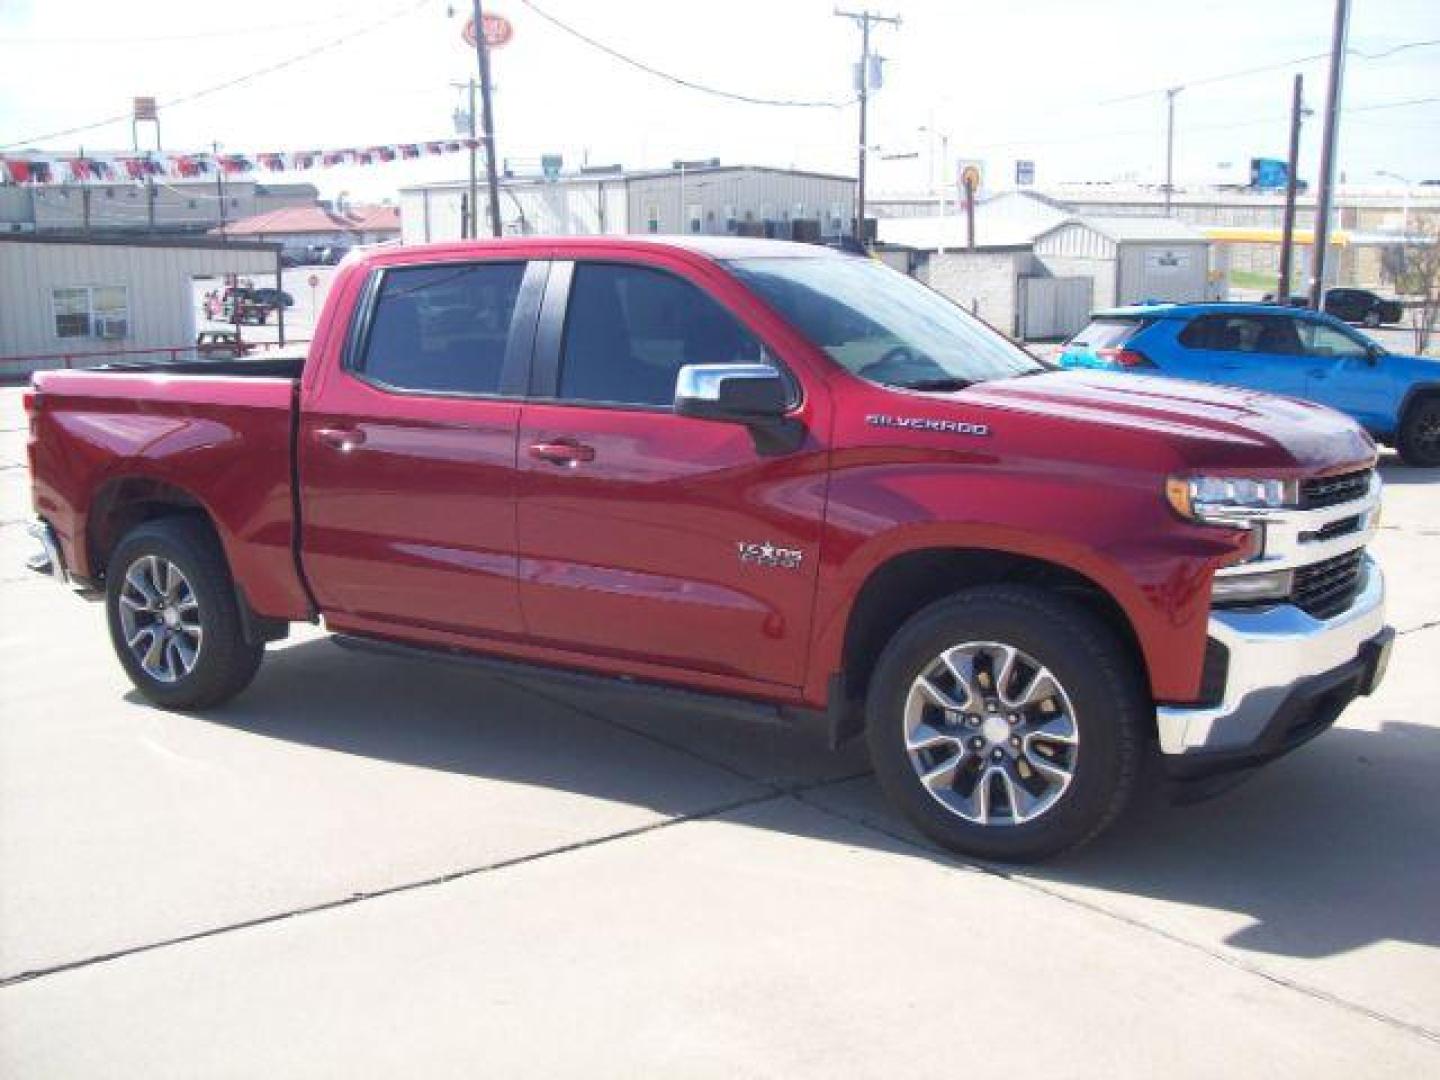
x=883, y=326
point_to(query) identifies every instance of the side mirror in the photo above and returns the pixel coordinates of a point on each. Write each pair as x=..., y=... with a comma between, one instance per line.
x=741, y=393
x=1373, y=353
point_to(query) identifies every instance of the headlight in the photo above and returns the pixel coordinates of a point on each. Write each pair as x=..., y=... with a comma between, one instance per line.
x=1205, y=498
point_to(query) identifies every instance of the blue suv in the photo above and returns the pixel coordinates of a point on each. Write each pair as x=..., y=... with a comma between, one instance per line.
x=1282, y=350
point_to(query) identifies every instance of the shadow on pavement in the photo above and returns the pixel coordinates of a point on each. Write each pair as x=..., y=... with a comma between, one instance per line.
x=1396, y=473
x=1328, y=850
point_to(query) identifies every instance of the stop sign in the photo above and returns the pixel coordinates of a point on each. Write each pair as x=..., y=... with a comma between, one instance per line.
x=498, y=31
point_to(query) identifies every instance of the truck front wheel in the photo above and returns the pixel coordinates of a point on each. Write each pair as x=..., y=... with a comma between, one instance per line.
x=1006, y=722
x=174, y=617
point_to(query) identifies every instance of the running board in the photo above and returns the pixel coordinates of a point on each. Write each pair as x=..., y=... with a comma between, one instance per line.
x=613, y=687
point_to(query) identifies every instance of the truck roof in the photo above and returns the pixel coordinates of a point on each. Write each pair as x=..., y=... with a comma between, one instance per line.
x=713, y=247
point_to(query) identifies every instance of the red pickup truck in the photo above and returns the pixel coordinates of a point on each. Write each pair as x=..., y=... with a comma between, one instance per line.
x=766, y=472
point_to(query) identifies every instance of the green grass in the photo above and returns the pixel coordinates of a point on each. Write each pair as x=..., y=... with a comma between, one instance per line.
x=1249, y=279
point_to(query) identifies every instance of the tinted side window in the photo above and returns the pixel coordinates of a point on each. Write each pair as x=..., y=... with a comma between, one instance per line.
x=1242, y=333
x=443, y=328
x=630, y=329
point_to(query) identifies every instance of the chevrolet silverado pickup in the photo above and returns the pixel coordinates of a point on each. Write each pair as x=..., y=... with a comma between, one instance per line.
x=778, y=476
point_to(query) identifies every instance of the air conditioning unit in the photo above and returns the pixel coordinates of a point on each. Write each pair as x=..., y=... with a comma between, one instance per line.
x=111, y=329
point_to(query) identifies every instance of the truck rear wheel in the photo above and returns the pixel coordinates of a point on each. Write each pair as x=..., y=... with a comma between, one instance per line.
x=1006, y=723
x=174, y=617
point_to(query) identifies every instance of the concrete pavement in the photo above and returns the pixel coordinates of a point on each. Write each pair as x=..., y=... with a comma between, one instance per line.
x=370, y=866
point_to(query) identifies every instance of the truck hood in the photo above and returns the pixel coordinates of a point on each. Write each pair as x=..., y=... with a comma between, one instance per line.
x=1208, y=426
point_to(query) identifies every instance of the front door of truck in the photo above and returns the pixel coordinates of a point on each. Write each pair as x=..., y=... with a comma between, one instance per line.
x=659, y=540
x=407, y=451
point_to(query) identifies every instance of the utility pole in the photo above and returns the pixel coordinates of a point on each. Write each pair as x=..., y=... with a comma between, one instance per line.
x=219, y=187
x=1170, y=145
x=85, y=196
x=863, y=19
x=1326, y=196
x=470, y=227
x=482, y=59
x=1292, y=184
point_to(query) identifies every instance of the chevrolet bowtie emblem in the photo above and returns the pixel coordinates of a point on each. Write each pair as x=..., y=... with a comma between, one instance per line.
x=767, y=554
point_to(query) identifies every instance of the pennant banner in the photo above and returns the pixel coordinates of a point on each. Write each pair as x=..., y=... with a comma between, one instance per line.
x=109, y=168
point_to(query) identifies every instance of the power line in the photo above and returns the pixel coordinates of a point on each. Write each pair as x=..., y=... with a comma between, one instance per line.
x=1243, y=73
x=1090, y=136
x=238, y=80
x=145, y=39
x=689, y=84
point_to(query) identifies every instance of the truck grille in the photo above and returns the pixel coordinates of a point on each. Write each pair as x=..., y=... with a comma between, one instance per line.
x=1322, y=491
x=1325, y=589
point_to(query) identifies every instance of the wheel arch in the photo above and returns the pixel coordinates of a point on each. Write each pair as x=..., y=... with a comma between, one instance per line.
x=906, y=582
x=123, y=502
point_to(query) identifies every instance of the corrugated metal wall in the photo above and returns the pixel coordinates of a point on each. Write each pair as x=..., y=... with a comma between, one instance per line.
x=616, y=205
x=1163, y=271
x=158, y=280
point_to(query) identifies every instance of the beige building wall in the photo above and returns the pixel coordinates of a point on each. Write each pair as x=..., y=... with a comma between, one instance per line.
x=159, y=309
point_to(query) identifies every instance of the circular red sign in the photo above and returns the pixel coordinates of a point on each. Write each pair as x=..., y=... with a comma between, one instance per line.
x=498, y=31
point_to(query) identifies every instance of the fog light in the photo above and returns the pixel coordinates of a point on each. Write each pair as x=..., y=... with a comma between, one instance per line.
x=1247, y=588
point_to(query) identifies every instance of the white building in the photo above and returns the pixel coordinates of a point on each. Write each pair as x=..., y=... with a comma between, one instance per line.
x=1037, y=271
x=708, y=199
x=65, y=299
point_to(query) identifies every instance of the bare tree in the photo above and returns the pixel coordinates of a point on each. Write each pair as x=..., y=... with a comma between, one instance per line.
x=1417, y=275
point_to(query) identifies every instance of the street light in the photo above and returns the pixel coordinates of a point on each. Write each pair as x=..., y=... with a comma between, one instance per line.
x=944, y=164
x=1404, y=203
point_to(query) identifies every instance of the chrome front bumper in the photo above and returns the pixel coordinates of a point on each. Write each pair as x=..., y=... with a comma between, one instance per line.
x=1273, y=653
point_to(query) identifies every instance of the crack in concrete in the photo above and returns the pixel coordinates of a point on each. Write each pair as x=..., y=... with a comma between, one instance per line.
x=1423, y=626
x=391, y=890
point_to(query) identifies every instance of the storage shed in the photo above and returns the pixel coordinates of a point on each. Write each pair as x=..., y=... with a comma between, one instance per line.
x=64, y=299
x=1131, y=259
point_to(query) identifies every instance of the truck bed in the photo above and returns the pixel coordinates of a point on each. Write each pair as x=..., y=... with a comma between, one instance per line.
x=265, y=366
x=220, y=433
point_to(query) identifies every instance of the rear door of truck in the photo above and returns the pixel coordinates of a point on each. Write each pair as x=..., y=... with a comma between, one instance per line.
x=407, y=450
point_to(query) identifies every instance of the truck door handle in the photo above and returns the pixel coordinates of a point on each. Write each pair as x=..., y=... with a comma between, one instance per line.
x=562, y=452
x=342, y=439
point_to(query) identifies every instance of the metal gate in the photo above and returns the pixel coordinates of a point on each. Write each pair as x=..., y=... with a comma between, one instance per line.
x=1054, y=307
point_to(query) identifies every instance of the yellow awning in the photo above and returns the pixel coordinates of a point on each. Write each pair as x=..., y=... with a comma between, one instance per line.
x=1227, y=234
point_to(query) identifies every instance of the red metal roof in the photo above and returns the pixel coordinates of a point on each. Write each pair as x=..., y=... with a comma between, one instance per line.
x=315, y=219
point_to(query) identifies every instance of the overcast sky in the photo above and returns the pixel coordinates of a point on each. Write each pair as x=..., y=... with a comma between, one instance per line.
x=1029, y=79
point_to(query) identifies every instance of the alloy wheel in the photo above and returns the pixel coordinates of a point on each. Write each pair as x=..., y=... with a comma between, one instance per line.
x=160, y=618
x=991, y=734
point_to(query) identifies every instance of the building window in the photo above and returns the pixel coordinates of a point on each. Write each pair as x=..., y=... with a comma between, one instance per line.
x=652, y=218
x=692, y=214
x=86, y=311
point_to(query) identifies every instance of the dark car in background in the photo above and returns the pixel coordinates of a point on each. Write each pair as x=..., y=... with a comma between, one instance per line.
x=1355, y=306
x=1362, y=306
x=273, y=298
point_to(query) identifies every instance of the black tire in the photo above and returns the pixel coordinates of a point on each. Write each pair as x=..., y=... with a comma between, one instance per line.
x=1419, y=436
x=224, y=662
x=1099, y=676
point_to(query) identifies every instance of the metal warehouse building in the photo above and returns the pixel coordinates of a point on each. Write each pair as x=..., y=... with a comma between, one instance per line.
x=707, y=199
x=1132, y=259
x=63, y=299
